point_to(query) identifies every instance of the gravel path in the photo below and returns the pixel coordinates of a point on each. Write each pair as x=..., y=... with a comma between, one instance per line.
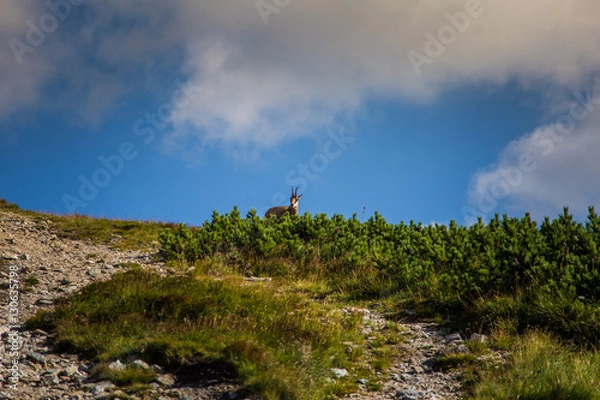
x=411, y=376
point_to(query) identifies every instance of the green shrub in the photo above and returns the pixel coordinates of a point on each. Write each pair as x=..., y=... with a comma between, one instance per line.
x=549, y=272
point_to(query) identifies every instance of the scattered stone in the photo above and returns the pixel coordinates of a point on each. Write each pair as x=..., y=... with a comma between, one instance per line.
x=70, y=371
x=157, y=368
x=4, y=329
x=54, y=379
x=37, y=357
x=83, y=368
x=94, y=272
x=455, y=337
x=408, y=394
x=28, y=374
x=478, y=338
x=68, y=280
x=165, y=380
x=117, y=365
x=416, y=369
x=44, y=302
x=140, y=364
x=101, y=387
x=339, y=373
x=7, y=395
x=257, y=279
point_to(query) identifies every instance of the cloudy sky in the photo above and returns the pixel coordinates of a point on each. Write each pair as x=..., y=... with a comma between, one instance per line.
x=419, y=109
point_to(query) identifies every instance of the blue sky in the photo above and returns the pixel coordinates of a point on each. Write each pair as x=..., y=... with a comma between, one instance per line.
x=421, y=110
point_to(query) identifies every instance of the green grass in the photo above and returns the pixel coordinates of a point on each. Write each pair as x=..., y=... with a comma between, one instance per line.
x=280, y=344
x=454, y=360
x=120, y=234
x=29, y=283
x=5, y=205
x=572, y=319
x=542, y=369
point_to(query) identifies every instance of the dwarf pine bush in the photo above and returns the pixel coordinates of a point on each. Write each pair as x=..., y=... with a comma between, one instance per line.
x=451, y=267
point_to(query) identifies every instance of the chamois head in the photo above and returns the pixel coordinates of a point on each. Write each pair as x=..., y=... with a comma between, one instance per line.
x=278, y=211
x=294, y=200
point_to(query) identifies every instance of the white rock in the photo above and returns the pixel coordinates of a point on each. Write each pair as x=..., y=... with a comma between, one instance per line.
x=141, y=364
x=83, y=368
x=101, y=386
x=339, y=372
x=37, y=357
x=165, y=380
x=455, y=337
x=117, y=365
x=477, y=338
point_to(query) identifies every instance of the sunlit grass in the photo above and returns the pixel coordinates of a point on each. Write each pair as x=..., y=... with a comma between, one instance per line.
x=282, y=345
x=543, y=369
x=120, y=234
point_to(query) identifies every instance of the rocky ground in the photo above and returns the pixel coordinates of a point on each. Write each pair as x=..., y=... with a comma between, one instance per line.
x=28, y=249
x=412, y=376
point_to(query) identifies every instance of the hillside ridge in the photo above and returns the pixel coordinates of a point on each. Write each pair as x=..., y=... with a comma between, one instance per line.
x=49, y=266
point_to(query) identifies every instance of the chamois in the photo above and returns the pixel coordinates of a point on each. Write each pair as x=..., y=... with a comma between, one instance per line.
x=278, y=211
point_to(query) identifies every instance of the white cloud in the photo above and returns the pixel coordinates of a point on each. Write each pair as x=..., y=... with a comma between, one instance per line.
x=556, y=165
x=314, y=62
x=21, y=84
x=79, y=65
x=317, y=60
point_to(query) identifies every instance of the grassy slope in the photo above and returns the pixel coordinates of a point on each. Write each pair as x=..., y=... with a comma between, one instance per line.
x=540, y=369
x=276, y=339
x=281, y=344
x=540, y=366
x=118, y=233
